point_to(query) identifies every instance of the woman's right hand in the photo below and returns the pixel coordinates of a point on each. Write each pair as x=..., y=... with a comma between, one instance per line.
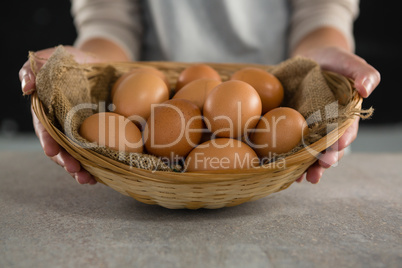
x=91, y=51
x=50, y=147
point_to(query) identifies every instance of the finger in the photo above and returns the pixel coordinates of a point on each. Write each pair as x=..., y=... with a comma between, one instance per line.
x=341, y=154
x=71, y=165
x=49, y=145
x=366, y=77
x=59, y=155
x=314, y=173
x=330, y=158
x=84, y=177
x=57, y=160
x=81, y=176
x=27, y=79
x=93, y=181
x=366, y=80
x=348, y=136
x=301, y=178
x=26, y=74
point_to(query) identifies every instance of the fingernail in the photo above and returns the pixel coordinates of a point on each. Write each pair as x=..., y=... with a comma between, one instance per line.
x=368, y=85
x=77, y=179
x=25, y=81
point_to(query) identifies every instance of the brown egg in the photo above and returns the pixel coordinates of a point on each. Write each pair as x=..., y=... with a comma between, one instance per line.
x=221, y=154
x=232, y=108
x=173, y=129
x=155, y=71
x=136, y=94
x=267, y=85
x=194, y=72
x=149, y=69
x=278, y=131
x=197, y=91
x=113, y=131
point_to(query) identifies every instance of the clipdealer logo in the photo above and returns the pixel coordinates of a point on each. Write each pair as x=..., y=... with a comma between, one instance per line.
x=330, y=112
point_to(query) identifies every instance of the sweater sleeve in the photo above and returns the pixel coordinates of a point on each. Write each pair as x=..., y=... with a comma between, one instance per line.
x=309, y=15
x=118, y=21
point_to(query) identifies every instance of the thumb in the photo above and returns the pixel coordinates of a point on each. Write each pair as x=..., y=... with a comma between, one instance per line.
x=27, y=75
x=366, y=77
x=27, y=79
x=366, y=80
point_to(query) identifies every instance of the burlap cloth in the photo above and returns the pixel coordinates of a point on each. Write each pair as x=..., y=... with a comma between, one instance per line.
x=70, y=95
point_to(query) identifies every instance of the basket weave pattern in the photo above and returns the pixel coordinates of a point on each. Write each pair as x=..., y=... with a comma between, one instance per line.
x=201, y=189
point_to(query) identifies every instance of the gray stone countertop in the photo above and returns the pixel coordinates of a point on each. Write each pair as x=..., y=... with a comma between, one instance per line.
x=352, y=218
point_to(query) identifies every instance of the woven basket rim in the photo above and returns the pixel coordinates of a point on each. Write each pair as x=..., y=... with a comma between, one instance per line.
x=176, y=64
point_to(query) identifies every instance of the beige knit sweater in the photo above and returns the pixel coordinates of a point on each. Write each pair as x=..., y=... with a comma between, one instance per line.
x=260, y=31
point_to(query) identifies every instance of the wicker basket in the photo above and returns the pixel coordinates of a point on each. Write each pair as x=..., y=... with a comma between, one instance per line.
x=202, y=189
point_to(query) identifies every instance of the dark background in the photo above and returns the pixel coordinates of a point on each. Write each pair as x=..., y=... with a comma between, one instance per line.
x=34, y=25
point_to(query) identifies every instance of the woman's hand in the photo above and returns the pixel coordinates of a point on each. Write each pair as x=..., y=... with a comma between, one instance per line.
x=51, y=148
x=366, y=79
x=91, y=51
x=333, y=51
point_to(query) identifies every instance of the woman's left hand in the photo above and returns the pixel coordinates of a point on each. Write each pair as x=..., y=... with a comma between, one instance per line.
x=366, y=78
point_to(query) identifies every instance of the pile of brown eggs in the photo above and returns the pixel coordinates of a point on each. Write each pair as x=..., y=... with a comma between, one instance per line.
x=205, y=124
